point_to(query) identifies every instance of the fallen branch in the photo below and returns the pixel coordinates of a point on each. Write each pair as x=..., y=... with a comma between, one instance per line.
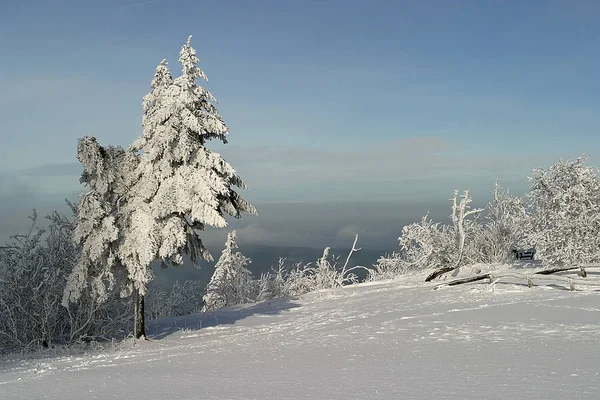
x=439, y=272
x=465, y=280
x=555, y=270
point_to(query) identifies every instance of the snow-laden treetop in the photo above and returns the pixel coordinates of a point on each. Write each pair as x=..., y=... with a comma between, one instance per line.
x=149, y=203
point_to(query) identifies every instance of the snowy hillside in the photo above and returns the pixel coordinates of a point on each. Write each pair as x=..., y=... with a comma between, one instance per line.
x=390, y=340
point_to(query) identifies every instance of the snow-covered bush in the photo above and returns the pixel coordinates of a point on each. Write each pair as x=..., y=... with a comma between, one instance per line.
x=33, y=271
x=464, y=228
x=301, y=278
x=157, y=303
x=283, y=282
x=185, y=298
x=271, y=285
x=433, y=245
x=502, y=230
x=327, y=273
x=423, y=245
x=390, y=266
x=565, y=213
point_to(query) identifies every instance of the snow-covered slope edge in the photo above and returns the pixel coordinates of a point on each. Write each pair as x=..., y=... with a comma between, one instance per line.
x=388, y=340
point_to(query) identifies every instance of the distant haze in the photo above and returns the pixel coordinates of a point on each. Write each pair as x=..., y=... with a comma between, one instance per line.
x=344, y=118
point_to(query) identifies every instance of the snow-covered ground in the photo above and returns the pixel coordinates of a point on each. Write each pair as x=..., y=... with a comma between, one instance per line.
x=391, y=340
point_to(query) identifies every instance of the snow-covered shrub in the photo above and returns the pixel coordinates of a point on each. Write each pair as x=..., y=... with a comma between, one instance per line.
x=284, y=282
x=301, y=278
x=389, y=266
x=433, y=245
x=157, y=303
x=565, y=213
x=273, y=284
x=425, y=244
x=33, y=271
x=185, y=298
x=502, y=230
x=327, y=273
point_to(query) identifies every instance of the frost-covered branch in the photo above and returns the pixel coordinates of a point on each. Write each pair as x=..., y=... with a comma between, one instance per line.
x=34, y=267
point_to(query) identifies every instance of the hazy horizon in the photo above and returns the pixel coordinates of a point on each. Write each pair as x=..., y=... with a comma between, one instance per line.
x=344, y=117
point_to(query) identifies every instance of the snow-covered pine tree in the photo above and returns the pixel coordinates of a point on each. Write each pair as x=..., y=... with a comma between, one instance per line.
x=148, y=203
x=180, y=185
x=100, y=219
x=102, y=224
x=230, y=283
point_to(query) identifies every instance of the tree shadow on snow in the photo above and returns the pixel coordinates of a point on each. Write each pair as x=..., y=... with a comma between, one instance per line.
x=159, y=329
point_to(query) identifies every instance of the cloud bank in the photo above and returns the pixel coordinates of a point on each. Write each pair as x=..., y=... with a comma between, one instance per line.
x=315, y=196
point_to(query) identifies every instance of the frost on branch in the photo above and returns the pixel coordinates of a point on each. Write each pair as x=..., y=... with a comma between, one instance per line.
x=230, y=283
x=565, y=219
x=33, y=271
x=428, y=244
x=181, y=186
x=462, y=227
x=423, y=245
x=100, y=220
x=185, y=298
x=148, y=203
x=503, y=228
x=462, y=224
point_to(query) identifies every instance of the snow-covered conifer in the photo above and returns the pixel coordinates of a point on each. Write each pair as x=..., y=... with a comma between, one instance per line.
x=100, y=220
x=230, y=283
x=149, y=203
x=181, y=186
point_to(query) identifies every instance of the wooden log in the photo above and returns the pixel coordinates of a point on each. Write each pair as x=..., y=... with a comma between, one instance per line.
x=465, y=280
x=476, y=278
x=555, y=270
x=439, y=272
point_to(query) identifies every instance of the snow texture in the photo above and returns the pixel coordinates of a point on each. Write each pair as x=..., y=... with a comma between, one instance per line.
x=386, y=340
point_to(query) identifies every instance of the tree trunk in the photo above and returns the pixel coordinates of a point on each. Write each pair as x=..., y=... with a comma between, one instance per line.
x=139, y=322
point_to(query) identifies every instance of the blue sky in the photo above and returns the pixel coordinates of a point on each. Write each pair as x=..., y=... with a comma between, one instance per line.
x=326, y=100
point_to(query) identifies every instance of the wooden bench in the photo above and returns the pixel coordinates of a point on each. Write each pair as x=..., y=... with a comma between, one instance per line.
x=524, y=254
